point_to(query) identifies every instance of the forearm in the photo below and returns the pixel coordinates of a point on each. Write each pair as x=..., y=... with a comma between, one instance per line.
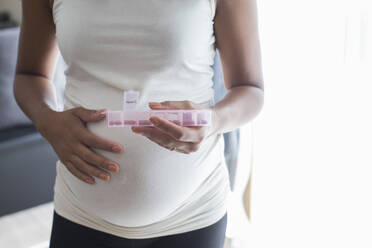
x=35, y=95
x=240, y=105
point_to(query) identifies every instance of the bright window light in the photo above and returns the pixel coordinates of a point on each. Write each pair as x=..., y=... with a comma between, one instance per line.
x=312, y=142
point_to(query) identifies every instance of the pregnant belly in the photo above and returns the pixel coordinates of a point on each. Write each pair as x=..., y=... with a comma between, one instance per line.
x=152, y=181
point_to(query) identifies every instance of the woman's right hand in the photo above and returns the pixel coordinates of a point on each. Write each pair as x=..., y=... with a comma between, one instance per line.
x=67, y=133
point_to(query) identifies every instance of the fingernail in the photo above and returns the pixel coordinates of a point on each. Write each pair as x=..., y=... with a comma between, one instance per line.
x=113, y=167
x=154, y=103
x=116, y=148
x=154, y=120
x=104, y=177
x=100, y=113
x=89, y=180
x=136, y=130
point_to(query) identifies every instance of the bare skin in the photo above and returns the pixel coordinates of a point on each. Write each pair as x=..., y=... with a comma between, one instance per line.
x=237, y=39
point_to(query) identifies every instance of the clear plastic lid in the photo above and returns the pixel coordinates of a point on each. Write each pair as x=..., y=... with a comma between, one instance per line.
x=130, y=99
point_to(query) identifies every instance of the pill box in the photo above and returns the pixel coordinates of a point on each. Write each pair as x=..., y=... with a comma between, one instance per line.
x=131, y=116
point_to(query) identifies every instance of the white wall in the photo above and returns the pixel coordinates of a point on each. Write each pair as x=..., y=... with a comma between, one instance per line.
x=14, y=7
x=312, y=164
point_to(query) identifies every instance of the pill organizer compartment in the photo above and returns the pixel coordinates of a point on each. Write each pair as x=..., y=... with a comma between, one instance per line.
x=203, y=118
x=130, y=118
x=115, y=118
x=130, y=100
x=143, y=118
x=175, y=117
x=161, y=114
x=189, y=118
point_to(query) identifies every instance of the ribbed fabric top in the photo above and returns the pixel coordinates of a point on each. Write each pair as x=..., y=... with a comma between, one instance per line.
x=165, y=50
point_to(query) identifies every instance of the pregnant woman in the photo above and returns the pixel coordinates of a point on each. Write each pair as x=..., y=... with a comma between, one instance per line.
x=152, y=186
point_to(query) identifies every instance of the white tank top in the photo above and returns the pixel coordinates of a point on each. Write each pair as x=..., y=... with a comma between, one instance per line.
x=164, y=49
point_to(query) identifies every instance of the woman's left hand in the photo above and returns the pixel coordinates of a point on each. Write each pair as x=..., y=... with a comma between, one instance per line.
x=184, y=139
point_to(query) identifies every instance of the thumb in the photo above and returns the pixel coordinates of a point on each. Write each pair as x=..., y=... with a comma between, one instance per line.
x=172, y=105
x=89, y=115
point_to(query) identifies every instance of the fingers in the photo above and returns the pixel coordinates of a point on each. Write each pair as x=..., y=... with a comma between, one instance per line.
x=176, y=131
x=89, y=169
x=88, y=115
x=70, y=139
x=185, y=134
x=167, y=145
x=180, y=133
x=87, y=137
x=167, y=141
x=186, y=104
x=77, y=173
x=93, y=158
x=92, y=140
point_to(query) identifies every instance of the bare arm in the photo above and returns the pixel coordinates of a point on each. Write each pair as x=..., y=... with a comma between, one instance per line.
x=35, y=94
x=237, y=39
x=37, y=55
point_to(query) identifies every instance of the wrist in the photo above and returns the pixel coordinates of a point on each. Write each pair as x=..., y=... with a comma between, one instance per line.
x=42, y=120
x=215, y=122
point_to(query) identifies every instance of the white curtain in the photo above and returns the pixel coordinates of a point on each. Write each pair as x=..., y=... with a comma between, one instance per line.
x=312, y=142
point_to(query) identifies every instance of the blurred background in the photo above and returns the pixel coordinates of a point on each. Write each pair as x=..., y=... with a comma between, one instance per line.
x=307, y=156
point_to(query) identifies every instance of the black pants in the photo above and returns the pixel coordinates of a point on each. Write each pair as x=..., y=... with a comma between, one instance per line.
x=68, y=234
